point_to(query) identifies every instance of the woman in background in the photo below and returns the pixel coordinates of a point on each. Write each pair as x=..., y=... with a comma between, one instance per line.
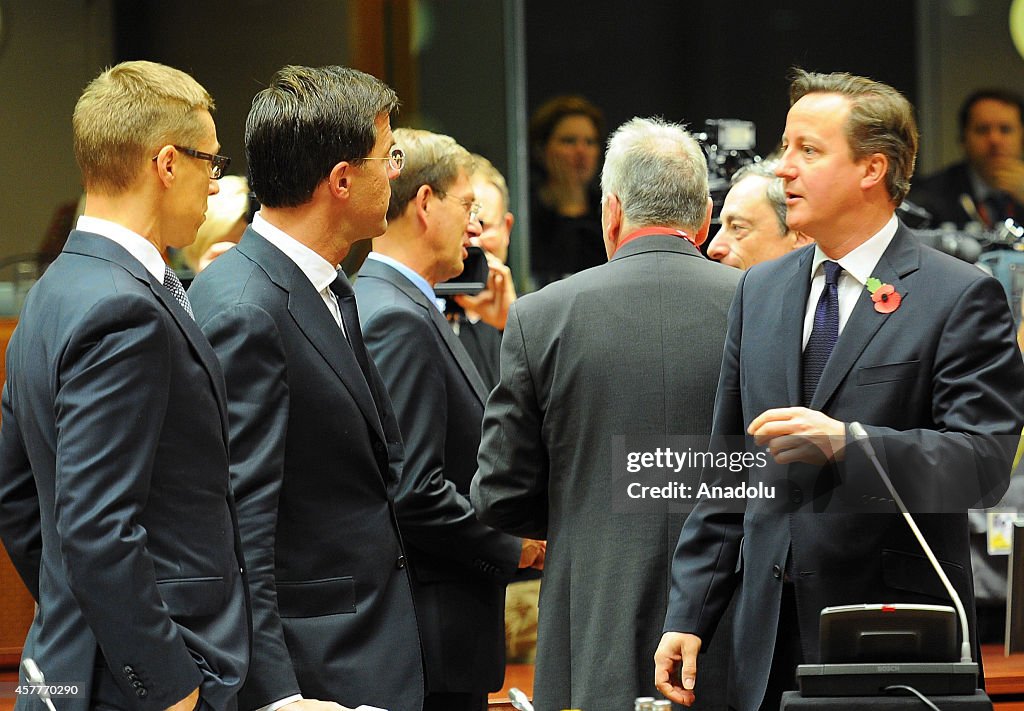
x=565, y=208
x=227, y=216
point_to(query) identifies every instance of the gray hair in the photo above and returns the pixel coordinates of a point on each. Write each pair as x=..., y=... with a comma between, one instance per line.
x=658, y=172
x=775, y=193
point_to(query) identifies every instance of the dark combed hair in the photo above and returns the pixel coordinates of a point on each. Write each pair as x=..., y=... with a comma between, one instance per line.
x=1003, y=96
x=881, y=121
x=307, y=121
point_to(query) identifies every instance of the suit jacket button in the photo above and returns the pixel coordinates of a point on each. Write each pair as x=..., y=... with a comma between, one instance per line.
x=776, y=572
x=141, y=692
x=136, y=683
x=796, y=495
x=128, y=669
x=401, y=562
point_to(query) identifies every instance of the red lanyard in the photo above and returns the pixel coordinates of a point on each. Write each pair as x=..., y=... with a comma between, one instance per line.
x=644, y=231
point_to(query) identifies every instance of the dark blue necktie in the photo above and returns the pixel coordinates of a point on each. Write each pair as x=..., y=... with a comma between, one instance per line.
x=350, y=318
x=824, y=334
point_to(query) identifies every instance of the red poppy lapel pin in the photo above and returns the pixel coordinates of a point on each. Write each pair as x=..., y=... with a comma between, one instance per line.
x=885, y=296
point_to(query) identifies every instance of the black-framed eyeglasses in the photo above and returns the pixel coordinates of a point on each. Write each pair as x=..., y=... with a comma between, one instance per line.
x=218, y=164
x=473, y=207
x=396, y=161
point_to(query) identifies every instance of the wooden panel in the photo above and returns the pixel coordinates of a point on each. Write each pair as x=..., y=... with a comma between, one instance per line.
x=16, y=605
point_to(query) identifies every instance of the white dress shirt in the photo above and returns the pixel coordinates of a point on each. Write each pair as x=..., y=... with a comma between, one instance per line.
x=136, y=245
x=858, y=266
x=318, y=270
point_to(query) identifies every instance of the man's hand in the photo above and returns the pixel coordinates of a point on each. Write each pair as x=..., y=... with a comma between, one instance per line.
x=492, y=304
x=797, y=434
x=313, y=705
x=188, y=703
x=677, y=650
x=1008, y=176
x=533, y=554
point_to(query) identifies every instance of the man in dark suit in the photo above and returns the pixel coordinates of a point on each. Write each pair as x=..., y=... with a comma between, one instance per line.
x=459, y=566
x=315, y=449
x=115, y=504
x=988, y=186
x=915, y=345
x=629, y=348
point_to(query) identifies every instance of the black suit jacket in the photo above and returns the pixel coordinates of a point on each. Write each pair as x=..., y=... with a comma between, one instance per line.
x=315, y=456
x=115, y=504
x=940, y=192
x=460, y=566
x=939, y=386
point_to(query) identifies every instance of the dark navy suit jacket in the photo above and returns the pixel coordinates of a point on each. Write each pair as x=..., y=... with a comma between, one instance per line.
x=115, y=504
x=939, y=386
x=315, y=459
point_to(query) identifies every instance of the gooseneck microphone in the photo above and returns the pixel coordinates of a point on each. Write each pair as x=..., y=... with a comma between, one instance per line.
x=34, y=676
x=861, y=435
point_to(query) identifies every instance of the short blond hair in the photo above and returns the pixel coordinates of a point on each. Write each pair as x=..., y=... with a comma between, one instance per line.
x=430, y=159
x=223, y=211
x=485, y=171
x=127, y=113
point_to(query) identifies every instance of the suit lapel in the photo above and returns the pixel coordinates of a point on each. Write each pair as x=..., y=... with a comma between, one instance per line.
x=795, y=287
x=310, y=313
x=384, y=271
x=900, y=259
x=98, y=246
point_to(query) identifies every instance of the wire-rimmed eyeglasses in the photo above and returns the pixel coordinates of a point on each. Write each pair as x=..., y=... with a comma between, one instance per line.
x=474, y=208
x=396, y=160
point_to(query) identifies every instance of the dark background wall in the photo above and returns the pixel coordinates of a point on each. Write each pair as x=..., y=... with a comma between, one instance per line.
x=690, y=61
x=683, y=59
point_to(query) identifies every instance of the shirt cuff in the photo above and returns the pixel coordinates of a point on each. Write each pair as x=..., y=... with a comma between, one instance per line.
x=283, y=702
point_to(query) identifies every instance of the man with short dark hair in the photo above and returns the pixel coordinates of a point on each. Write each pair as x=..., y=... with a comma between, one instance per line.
x=869, y=327
x=315, y=449
x=622, y=350
x=459, y=565
x=115, y=503
x=753, y=220
x=987, y=187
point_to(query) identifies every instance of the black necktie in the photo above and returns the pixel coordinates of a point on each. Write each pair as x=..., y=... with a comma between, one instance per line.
x=350, y=318
x=174, y=286
x=824, y=334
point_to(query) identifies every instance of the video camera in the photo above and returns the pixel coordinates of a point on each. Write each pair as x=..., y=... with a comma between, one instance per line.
x=728, y=146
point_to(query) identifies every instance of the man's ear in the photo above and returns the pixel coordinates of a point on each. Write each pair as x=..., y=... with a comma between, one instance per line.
x=339, y=181
x=702, y=233
x=421, y=203
x=166, y=163
x=876, y=166
x=611, y=223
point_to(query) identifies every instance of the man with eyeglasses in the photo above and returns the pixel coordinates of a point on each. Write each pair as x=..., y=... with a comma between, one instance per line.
x=459, y=566
x=115, y=504
x=315, y=449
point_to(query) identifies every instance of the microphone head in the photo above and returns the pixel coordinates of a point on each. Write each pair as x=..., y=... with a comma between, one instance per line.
x=858, y=431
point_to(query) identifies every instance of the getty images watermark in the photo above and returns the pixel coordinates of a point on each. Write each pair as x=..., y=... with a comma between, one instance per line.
x=674, y=473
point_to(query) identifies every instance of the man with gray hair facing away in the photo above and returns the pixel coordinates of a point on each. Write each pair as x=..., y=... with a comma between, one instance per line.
x=753, y=219
x=634, y=344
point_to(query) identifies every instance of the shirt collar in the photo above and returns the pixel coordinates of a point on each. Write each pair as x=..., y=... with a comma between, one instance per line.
x=317, y=269
x=409, y=274
x=861, y=262
x=136, y=245
x=979, y=188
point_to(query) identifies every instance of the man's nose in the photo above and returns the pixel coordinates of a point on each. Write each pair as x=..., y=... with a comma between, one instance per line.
x=717, y=248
